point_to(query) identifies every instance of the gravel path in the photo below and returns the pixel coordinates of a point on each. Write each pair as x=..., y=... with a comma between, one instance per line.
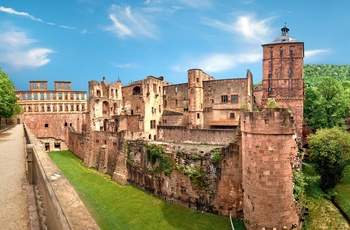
x=14, y=212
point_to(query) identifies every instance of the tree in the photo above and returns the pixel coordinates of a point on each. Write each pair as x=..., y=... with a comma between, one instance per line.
x=327, y=105
x=8, y=99
x=330, y=150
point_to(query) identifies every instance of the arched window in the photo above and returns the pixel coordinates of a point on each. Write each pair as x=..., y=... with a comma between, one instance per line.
x=136, y=90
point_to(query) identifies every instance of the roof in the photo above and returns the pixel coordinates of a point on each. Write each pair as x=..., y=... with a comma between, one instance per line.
x=284, y=38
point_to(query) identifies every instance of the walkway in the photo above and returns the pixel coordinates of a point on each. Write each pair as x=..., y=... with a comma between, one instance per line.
x=14, y=212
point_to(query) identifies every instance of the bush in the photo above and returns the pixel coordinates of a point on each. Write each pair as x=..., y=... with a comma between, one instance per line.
x=329, y=149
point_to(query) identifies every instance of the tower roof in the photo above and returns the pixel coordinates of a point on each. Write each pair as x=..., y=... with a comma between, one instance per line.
x=284, y=37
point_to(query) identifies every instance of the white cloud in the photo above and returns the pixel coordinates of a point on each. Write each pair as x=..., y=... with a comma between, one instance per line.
x=16, y=50
x=246, y=27
x=24, y=14
x=27, y=15
x=127, y=22
x=311, y=53
x=219, y=62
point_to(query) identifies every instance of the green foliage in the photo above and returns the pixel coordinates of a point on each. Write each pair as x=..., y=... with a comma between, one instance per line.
x=197, y=176
x=329, y=149
x=314, y=74
x=155, y=154
x=115, y=206
x=8, y=99
x=327, y=105
x=343, y=191
x=216, y=157
x=322, y=214
x=272, y=104
x=299, y=185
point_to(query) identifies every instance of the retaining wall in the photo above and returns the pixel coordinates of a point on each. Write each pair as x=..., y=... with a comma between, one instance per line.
x=63, y=207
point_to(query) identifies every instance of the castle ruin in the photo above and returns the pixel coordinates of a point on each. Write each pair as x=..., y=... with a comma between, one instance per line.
x=223, y=148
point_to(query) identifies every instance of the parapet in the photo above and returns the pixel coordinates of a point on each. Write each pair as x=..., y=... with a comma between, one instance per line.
x=269, y=121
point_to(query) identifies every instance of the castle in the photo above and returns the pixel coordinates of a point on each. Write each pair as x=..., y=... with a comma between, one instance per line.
x=224, y=158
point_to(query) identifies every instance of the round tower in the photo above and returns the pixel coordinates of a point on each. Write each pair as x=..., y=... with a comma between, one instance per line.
x=269, y=153
x=283, y=75
x=195, y=96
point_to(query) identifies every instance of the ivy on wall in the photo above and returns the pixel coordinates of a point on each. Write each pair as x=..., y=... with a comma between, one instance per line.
x=158, y=160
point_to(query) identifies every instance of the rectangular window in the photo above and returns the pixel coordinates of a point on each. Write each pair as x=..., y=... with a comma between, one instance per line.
x=46, y=125
x=60, y=96
x=47, y=96
x=198, y=116
x=35, y=96
x=66, y=86
x=23, y=97
x=224, y=98
x=234, y=98
x=153, y=124
x=212, y=100
x=35, y=86
x=41, y=86
x=54, y=96
x=59, y=86
x=42, y=97
x=197, y=79
x=154, y=88
x=228, y=85
x=83, y=96
x=232, y=115
x=29, y=97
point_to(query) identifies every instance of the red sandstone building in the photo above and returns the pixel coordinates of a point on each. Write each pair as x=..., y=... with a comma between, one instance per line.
x=49, y=113
x=254, y=180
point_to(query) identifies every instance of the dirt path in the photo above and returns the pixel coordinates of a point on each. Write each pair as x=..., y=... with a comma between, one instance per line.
x=13, y=198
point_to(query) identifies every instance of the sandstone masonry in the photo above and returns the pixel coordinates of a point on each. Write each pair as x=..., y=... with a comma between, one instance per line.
x=213, y=152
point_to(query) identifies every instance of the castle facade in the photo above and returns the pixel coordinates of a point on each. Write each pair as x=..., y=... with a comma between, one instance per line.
x=231, y=152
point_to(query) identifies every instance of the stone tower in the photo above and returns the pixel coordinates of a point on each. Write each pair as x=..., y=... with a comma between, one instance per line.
x=283, y=75
x=195, y=97
x=269, y=156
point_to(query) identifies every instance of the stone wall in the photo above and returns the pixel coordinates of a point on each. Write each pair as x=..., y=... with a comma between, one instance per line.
x=76, y=144
x=54, y=125
x=218, y=189
x=269, y=155
x=205, y=136
x=62, y=205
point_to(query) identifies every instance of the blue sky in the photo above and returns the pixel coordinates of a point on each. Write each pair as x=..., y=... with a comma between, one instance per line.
x=83, y=40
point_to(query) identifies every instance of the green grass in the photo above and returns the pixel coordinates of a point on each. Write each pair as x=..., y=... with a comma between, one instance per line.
x=343, y=190
x=322, y=213
x=115, y=206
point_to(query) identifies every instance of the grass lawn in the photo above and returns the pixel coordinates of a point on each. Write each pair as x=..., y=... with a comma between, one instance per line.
x=322, y=213
x=115, y=206
x=343, y=190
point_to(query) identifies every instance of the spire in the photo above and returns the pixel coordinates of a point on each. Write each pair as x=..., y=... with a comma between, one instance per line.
x=285, y=30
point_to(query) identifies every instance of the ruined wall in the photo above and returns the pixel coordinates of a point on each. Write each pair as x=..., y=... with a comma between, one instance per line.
x=176, y=97
x=197, y=180
x=76, y=144
x=269, y=152
x=53, y=125
x=205, y=136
